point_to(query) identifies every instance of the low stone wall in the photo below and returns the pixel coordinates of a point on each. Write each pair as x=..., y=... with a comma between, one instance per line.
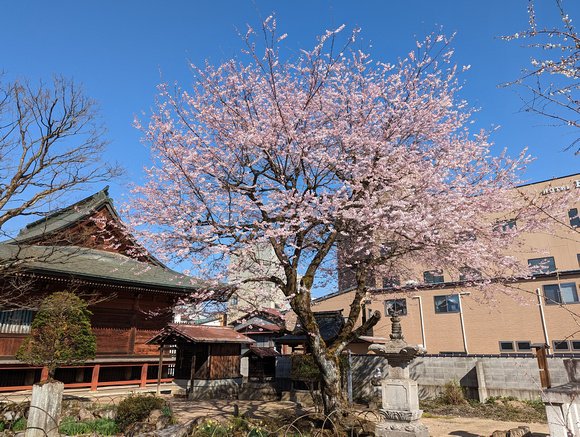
x=208, y=389
x=482, y=376
x=485, y=376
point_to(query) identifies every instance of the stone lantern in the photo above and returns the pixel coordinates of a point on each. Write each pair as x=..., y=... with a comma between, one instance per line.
x=400, y=394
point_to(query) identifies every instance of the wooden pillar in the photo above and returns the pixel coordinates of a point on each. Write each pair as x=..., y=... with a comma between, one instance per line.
x=542, y=357
x=159, y=370
x=144, y=375
x=95, y=377
x=208, y=362
x=132, y=336
x=44, y=374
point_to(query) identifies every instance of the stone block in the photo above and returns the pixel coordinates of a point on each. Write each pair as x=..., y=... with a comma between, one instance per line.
x=395, y=429
x=258, y=391
x=400, y=394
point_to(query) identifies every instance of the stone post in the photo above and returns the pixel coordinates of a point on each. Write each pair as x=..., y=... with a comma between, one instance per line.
x=45, y=409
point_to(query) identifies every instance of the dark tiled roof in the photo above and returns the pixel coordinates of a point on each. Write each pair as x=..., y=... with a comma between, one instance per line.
x=329, y=323
x=262, y=352
x=32, y=250
x=66, y=217
x=199, y=334
x=98, y=265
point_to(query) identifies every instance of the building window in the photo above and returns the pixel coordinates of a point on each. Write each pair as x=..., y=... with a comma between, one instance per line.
x=433, y=276
x=466, y=237
x=560, y=293
x=234, y=300
x=544, y=265
x=560, y=345
x=469, y=274
x=15, y=321
x=578, y=256
x=447, y=304
x=391, y=282
x=575, y=345
x=574, y=219
x=504, y=225
x=506, y=346
x=396, y=306
x=524, y=346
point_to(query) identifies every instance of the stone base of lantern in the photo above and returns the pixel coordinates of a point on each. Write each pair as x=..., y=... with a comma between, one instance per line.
x=401, y=429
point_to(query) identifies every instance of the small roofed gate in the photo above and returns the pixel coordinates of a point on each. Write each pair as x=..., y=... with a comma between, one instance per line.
x=203, y=352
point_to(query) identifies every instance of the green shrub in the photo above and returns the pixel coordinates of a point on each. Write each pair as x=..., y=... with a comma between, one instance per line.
x=60, y=334
x=136, y=408
x=19, y=424
x=98, y=426
x=70, y=427
x=106, y=427
x=536, y=404
x=473, y=402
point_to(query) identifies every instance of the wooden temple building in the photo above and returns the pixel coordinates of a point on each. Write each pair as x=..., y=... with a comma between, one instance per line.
x=83, y=249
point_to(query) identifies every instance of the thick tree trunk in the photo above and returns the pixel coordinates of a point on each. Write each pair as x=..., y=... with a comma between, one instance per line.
x=328, y=363
x=331, y=389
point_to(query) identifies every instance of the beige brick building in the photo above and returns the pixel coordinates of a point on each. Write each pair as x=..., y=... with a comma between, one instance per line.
x=447, y=315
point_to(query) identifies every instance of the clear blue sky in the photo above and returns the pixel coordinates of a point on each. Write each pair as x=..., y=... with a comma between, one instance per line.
x=118, y=49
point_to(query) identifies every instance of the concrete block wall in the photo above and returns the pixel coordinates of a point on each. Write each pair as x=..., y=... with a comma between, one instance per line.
x=502, y=375
x=363, y=368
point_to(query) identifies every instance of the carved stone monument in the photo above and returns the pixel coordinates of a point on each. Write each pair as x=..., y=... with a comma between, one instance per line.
x=400, y=393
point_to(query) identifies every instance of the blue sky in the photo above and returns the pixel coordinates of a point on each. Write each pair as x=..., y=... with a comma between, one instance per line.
x=119, y=48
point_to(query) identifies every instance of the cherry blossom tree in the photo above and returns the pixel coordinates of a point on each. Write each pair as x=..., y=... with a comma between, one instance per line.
x=321, y=148
x=553, y=80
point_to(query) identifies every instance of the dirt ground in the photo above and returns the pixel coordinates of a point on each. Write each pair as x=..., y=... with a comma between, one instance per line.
x=185, y=410
x=222, y=409
x=469, y=427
